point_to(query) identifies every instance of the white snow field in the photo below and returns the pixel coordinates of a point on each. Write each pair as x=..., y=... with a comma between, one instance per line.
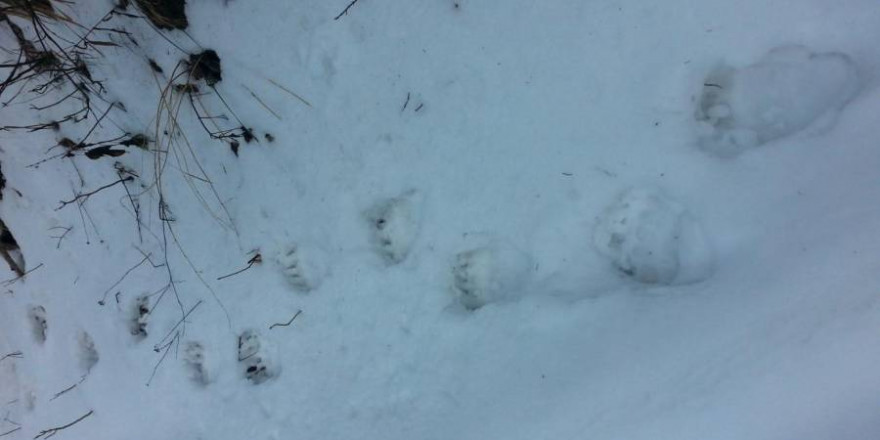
x=458, y=219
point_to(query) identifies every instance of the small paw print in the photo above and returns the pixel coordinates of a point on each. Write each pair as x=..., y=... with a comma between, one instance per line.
x=255, y=358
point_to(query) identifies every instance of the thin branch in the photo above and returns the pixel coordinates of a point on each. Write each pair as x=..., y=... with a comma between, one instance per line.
x=10, y=431
x=405, y=103
x=288, y=322
x=60, y=393
x=13, y=280
x=46, y=433
x=290, y=92
x=345, y=11
x=85, y=196
x=66, y=229
x=14, y=354
x=159, y=345
x=256, y=259
x=146, y=258
x=167, y=348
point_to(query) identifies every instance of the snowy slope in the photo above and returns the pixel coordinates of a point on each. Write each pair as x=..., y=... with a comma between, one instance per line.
x=446, y=213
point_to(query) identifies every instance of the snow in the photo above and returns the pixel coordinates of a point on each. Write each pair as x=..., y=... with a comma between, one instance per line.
x=439, y=201
x=783, y=93
x=394, y=224
x=653, y=239
x=496, y=272
x=304, y=266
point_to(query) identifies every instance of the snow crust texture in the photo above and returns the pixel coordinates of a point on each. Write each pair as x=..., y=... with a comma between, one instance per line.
x=783, y=93
x=653, y=239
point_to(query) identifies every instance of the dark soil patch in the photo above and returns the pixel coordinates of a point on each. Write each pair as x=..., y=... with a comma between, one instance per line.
x=206, y=65
x=165, y=14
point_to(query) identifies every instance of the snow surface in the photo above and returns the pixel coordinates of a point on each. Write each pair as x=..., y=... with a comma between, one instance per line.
x=520, y=121
x=653, y=239
x=783, y=93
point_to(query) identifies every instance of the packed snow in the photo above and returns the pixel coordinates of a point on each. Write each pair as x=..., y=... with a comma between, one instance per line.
x=450, y=219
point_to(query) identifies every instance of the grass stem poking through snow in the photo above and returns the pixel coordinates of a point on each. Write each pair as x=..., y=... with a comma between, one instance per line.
x=287, y=323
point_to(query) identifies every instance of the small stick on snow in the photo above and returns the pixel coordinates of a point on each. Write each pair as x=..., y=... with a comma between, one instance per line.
x=256, y=259
x=405, y=103
x=158, y=346
x=288, y=322
x=85, y=196
x=290, y=92
x=167, y=348
x=14, y=354
x=60, y=393
x=13, y=280
x=66, y=230
x=46, y=433
x=10, y=431
x=146, y=258
x=345, y=11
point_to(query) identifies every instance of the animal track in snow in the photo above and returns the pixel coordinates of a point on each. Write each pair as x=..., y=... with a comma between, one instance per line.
x=783, y=93
x=255, y=358
x=88, y=354
x=196, y=362
x=304, y=267
x=39, y=325
x=652, y=239
x=496, y=272
x=140, y=315
x=395, y=224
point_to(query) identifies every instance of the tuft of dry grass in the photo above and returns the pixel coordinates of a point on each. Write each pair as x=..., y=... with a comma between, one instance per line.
x=165, y=14
x=27, y=8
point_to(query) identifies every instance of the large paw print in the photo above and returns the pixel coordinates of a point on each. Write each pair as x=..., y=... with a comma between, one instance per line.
x=653, y=239
x=783, y=93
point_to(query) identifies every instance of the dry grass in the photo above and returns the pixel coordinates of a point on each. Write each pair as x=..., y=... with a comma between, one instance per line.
x=27, y=8
x=165, y=14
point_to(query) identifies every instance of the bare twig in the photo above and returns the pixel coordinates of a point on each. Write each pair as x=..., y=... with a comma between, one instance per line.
x=256, y=259
x=66, y=229
x=14, y=354
x=405, y=103
x=300, y=98
x=288, y=322
x=13, y=280
x=167, y=348
x=46, y=433
x=85, y=196
x=144, y=260
x=60, y=393
x=345, y=11
x=160, y=345
x=10, y=431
